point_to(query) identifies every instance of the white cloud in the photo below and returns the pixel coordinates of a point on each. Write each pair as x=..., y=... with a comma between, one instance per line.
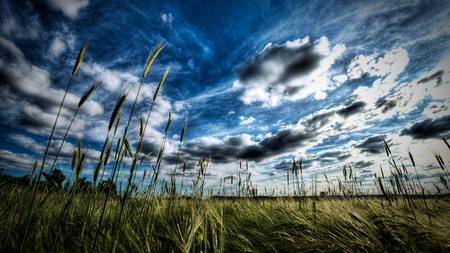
x=69, y=7
x=57, y=47
x=113, y=80
x=167, y=19
x=231, y=112
x=290, y=71
x=246, y=121
x=60, y=43
x=340, y=79
x=180, y=105
x=388, y=67
x=404, y=97
x=343, y=136
x=393, y=63
x=437, y=109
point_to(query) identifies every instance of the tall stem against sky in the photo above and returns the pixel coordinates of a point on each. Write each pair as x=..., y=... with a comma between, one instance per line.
x=74, y=71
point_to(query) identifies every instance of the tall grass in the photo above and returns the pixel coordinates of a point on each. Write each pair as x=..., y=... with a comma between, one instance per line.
x=33, y=202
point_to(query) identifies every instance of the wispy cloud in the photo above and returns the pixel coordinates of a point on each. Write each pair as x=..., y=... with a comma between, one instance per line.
x=167, y=19
x=246, y=121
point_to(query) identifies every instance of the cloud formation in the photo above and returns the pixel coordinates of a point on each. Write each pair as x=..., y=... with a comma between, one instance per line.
x=167, y=19
x=14, y=161
x=308, y=131
x=290, y=71
x=246, y=121
x=29, y=96
x=69, y=7
x=371, y=145
x=428, y=128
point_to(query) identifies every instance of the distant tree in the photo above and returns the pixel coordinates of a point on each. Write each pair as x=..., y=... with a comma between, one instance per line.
x=56, y=179
x=105, y=185
x=83, y=185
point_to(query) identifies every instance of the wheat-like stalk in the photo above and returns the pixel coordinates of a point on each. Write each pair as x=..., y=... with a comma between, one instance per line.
x=33, y=202
x=83, y=99
x=116, y=109
x=151, y=57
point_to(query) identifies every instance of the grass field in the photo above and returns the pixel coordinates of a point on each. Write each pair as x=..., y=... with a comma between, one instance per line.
x=155, y=224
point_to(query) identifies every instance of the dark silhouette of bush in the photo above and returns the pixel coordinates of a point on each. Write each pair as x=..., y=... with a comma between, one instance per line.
x=55, y=179
x=105, y=186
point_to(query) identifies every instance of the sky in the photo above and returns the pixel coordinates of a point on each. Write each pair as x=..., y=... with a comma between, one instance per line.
x=320, y=81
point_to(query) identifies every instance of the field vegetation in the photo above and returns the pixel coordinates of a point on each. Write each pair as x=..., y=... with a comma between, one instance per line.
x=152, y=214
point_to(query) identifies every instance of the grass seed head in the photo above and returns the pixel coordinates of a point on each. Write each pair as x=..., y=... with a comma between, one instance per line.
x=128, y=147
x=184, y=165
x=169, y=121
x=80, y=57
x=108, y=153
x=118, y=122
x=74, y=158
x=33, y=169
x=141, y=132
x=411, y=157
x=160, y=84
x=88, y=93
x=117, y=107
x=151, y=57
x=183, y=131
x=386, y=147
x=104, y=149
x=445, y=141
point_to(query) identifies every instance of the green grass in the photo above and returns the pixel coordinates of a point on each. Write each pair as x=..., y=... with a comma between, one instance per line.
x=342, y=224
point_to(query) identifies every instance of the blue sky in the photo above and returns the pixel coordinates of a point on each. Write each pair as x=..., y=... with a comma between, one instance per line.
x=317, y=80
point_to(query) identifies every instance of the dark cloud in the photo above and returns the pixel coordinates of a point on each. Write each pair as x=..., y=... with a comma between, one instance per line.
x=429, y=128
x=333, y=156
x=371, y=145
x=438, y=76
x=32, y=119
x=290, y=71
x=221, y=153
x=14, y=161
x=362, y=165
x=283, y=165
x=317, y=121
x=148, y=147
x=284, y=141
x=387, y=105
x=297, y=61
x=287, y=164
x=354, y=108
